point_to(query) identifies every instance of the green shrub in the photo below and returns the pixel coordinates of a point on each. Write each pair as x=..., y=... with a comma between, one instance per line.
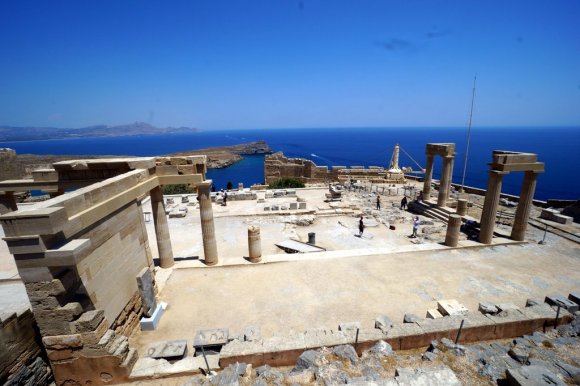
x=177, y=189
x=284, y=183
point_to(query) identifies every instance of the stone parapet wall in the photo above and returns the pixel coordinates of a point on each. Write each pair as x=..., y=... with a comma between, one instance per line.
x=285, y=350
x=22, y=360
x=277, y=166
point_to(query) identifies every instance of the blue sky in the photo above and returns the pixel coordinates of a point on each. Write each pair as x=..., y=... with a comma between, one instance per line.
x=270, y=64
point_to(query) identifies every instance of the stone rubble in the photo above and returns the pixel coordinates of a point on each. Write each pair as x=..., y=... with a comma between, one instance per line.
x=537, y=359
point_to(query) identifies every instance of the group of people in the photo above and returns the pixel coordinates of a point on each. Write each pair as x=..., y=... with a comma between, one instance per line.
x=404, y=202
x=416, y=223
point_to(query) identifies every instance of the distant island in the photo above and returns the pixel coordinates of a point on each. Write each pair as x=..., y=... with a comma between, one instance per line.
x=12, y=133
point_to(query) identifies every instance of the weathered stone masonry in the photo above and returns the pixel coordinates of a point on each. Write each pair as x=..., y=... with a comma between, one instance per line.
x=79, y=254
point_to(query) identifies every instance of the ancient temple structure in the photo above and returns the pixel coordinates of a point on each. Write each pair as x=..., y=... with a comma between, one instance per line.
x=504, y=162
x=447, y=152
x=69, y=250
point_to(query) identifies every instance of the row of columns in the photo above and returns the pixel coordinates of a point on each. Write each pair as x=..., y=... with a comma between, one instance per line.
x=488, y=215
x=444, y=183
x=166, y=259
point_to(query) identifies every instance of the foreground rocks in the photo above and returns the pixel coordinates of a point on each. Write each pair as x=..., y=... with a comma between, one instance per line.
x=551, y=358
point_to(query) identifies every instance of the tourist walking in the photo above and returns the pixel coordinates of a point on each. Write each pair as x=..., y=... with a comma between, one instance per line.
x=378, y=202
x=361, y=227
x=420, y=196
x=225, y=198
x=415, y=226
x=404, y=203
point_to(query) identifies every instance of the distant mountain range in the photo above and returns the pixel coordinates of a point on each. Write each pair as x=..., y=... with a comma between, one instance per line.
x=11, y=133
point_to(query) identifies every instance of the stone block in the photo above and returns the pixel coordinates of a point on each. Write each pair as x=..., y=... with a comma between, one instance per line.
x=346, y=326
x=41, y=221
x=506, y=307
x=170, y=350
x=533, y=375
x=88, y=321
x=433, y=376
x=52, y=288
x=267, y=208
x=433, y=314
x=92, y=338
x=560, y=300
x=150, y=323
x=252, y=333
x=237, y=351
x=211, y=337
x=59, y=355
x=451, y=307
x=40, y=301
x=383, y=323
x=575, y=297
x=177, y=214
x=62, y=342
x=410, y=318
x=293, y=205
x=320, y=337
x=147, y=291
x=301, y=205
x=487, y=308
x=283, y=350
x=56, y=322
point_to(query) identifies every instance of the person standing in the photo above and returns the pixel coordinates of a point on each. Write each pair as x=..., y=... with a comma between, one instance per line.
x=378, y=202
x=225, y=198
x=415, y=226
x=361, y=227
x=404, y=203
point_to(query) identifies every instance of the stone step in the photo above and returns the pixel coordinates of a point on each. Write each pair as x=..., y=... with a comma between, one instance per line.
x=116, y=344
x=130, y=359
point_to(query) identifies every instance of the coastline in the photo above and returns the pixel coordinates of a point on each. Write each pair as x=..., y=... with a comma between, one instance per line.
x=18, y=166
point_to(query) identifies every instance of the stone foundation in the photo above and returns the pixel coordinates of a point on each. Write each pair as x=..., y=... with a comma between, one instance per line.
x=22, y=361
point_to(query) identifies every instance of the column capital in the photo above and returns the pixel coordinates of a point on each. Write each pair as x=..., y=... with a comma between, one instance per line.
x=497, y=173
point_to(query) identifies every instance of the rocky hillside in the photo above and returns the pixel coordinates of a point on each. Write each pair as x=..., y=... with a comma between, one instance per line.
x=16, y=166
x=12, y=133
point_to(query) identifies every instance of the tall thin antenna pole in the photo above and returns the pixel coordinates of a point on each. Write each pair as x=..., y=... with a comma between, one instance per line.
x=468, y=135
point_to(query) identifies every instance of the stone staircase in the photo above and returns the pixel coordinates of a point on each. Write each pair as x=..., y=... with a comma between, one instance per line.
x=430, y=209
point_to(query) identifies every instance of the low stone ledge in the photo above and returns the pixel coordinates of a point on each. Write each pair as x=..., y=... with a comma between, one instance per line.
x=250, y=352
x=283, y=351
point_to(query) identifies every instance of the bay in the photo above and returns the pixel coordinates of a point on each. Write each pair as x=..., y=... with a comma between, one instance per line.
x=557, y=147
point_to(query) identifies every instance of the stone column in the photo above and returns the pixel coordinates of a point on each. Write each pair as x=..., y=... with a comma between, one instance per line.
x=428, y=177
x=462, y=207
x=445, y=183
x=7, y=203
x=254, y=244
x=453, y=227
x=161, y=228
x=207, y=226
x=524, y=204
x=487, y=223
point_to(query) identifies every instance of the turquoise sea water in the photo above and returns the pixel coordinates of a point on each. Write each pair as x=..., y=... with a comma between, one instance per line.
x=558, y=148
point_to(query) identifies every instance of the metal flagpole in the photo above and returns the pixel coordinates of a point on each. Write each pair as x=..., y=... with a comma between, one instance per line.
x=468, y=136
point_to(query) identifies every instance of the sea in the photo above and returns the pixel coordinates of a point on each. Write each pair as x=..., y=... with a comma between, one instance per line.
x=557, y=147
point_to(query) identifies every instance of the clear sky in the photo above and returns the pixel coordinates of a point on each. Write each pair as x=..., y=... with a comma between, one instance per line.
x=286, y=63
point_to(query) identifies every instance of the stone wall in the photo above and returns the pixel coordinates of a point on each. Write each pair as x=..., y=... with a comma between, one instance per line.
x=78, y=255
x=22, y=361
x=277, y=166
x=10, y=165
